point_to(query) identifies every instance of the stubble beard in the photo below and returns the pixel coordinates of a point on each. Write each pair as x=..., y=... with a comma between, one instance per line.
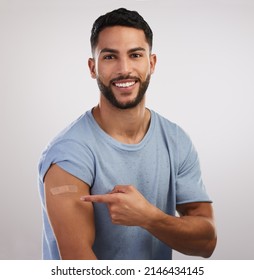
x=109, y=95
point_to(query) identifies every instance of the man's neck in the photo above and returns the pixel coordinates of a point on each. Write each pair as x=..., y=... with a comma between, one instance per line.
x=128, y=126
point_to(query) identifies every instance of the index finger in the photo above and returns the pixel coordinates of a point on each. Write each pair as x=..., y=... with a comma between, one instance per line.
x=100, y=198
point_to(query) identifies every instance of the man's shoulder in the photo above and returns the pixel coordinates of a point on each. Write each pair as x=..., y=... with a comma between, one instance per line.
x=73, y=137
x=75, y=131
x=69, y=148
x=171, y=130
x=165, y=122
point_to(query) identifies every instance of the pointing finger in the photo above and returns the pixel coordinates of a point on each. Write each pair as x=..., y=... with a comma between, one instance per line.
x=100, y=198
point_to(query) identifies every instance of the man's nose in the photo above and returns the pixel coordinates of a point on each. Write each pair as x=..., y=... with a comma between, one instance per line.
x=124, y=66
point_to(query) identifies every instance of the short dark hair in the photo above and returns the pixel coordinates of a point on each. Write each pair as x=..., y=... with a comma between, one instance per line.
x=120, y=17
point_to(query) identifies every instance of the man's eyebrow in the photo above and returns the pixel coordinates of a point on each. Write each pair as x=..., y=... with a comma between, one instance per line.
x=139, y=49
x=109, y=50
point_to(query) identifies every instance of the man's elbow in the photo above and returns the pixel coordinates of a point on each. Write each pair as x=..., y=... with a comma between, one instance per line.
x=209, y=248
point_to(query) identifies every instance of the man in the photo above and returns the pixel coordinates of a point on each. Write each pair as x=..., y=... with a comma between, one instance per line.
x=111, y=182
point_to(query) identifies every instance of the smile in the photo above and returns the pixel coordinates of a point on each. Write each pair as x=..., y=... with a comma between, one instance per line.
x=125, y=85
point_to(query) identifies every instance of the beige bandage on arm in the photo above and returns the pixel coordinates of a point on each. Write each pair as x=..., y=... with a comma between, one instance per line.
x=64, y=189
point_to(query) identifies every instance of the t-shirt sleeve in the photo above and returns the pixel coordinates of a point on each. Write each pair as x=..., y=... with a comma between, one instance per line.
x=189, y=183
x=72, y=157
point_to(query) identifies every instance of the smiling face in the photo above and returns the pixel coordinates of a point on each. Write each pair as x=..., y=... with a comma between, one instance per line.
x=122, y=65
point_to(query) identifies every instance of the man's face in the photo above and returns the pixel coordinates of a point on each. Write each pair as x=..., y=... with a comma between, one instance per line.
x=122, y=65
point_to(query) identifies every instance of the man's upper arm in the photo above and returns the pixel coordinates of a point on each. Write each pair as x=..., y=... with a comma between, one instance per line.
x=72, y=221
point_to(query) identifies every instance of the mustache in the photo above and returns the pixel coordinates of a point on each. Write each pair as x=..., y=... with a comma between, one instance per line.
x=126, y=77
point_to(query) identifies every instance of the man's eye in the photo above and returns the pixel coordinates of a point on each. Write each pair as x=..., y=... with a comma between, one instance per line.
x=109, y=57
x=136, y=55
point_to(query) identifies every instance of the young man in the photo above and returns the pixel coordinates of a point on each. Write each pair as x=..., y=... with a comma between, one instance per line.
x=111, y=182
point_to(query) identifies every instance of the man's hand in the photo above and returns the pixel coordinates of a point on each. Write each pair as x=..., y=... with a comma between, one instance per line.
x=127, y=206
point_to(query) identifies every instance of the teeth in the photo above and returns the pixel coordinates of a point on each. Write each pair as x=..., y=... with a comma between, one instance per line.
x=124, y=85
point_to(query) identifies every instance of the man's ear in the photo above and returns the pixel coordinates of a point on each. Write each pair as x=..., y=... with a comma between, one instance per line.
x=153, y=60
x=91, y=65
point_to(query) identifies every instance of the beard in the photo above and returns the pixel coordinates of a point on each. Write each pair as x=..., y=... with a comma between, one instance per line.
x=109, y=95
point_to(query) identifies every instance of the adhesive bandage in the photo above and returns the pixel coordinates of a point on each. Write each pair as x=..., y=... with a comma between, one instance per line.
x=64, y=189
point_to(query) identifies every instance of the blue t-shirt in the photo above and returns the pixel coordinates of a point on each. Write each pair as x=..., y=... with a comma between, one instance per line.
x=164, y=167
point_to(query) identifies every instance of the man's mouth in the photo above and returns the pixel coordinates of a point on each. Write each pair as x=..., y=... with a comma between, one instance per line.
x=124, y=84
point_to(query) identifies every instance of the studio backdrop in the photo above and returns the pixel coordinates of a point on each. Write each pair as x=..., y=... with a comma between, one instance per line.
x=203, y=82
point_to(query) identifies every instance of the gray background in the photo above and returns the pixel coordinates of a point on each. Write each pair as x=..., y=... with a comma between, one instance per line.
x=203, y=82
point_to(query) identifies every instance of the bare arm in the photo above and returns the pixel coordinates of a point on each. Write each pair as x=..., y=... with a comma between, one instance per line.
x=193, y=233
x=72, y=221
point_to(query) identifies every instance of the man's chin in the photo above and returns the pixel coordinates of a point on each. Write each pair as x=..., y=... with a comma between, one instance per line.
x=131, y=104
x=124, y=106
x=125, y=101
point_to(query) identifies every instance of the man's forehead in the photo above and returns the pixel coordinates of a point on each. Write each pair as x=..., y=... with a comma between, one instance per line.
x=119, y=36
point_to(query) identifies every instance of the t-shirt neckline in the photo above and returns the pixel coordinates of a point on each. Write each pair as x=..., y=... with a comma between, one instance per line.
x=123, y=146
